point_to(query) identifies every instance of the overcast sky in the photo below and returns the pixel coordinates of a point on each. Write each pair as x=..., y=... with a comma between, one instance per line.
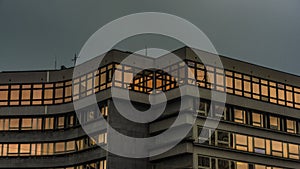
x=263, y=32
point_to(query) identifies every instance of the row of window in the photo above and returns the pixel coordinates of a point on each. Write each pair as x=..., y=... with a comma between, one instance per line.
x=56, y=122
x=94, y=165
x=145, y=80
x=38, y=149
x=205, y=162
x=249, y=143
x=251, y=117
x=243, y=85
x=56, y=93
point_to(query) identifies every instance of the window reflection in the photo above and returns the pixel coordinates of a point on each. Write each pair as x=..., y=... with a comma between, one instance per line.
x=252, y=144
x=257, y=119
x=240, y=116
x=274, y=123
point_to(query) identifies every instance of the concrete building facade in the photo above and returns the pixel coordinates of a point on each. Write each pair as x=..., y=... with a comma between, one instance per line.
x=259, y=127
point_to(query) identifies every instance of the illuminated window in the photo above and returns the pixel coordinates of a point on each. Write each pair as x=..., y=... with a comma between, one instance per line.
x=61, y=122
x=25, y=94
x=37, y=124
x=200, y=75
x=70, y=145
x=25, y=149
x=4, y=123
x=26, y=123
x=13, y=149
x=257, y=119
x=14, y=95
x=293, y=151
x=49, y=123
x=37, y=94
x=48, y=94
x=102, y=138
x=273, y=92
x=237, y=83
x=241, y=142
x=274, y=123
x=259, y=145
x=59, y=147
x=4, y=95
x=220, y=82
x=265, y=93
x=297, y=97
x=255, y=90
x=289, y=97
x=240, y=116
x=229, y=82
x=291, y=126
x=256, y=166
x=241, y=165
x=128, y=77
x=13, y=124
x=277, y=149
x=68, y=93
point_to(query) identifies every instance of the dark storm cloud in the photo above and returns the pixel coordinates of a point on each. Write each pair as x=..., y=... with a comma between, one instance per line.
x=34, y=32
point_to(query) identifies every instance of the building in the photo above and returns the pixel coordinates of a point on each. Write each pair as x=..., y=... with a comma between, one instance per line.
x=259, y=128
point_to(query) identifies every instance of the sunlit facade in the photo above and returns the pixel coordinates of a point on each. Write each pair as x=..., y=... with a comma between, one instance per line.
x=259, y=127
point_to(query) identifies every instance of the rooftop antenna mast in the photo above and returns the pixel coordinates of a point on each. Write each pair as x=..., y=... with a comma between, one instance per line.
x=75, y=59
x=55, y=62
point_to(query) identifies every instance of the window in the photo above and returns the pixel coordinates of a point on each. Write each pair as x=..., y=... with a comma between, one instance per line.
x=257, y=119
x=221, y=111
x=4, y=95
x=259, y=145
x=241, y=165
x=204, y=138
x=61, y=122
x=204, y=162
x=293, y=151
x=238, y=84
x=25, y=149
x=13, y=149
x=26, y=94
x=13, y=124
x=59, y=147
x=26, y=123
x=220, y=81
x=223, y=139
x=49, y=123
x=90, y=115
x=291, y=126
x=273, y=92
x=229, y=82
x=240, y=116
x=202, y=110
x=102, y=138
x=274, y=123
x=70, y=145
x=224, y=164
x=277, y=149
x=37, y=93
x=241, y=142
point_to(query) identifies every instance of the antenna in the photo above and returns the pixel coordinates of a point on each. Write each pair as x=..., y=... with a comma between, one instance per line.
x=55, y=62
x=75, y=59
